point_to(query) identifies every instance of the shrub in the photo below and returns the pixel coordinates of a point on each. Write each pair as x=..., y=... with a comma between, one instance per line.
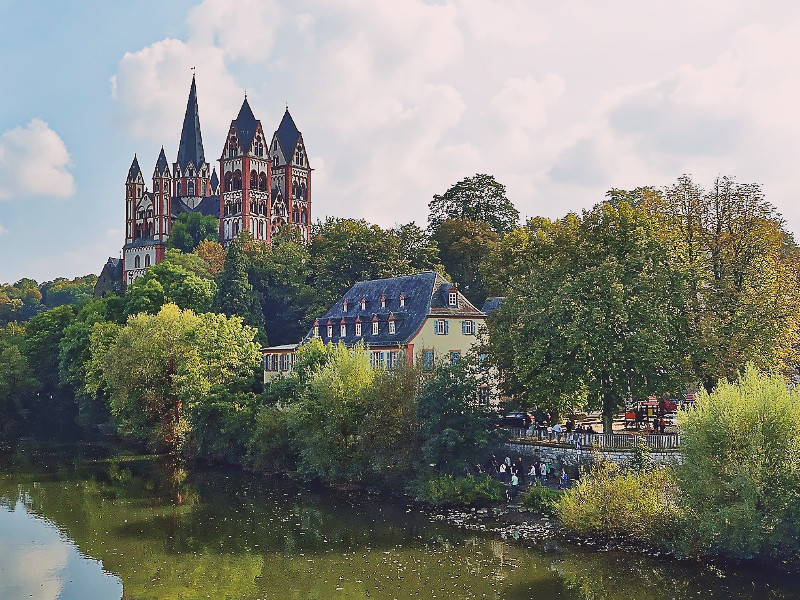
x=612, y=502
x=447, y=490
x=541, y=499
x=270, y=446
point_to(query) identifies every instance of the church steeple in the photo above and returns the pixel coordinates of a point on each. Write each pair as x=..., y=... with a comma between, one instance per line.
x=191, y=146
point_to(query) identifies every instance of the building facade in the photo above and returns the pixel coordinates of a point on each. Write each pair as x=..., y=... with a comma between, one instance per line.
x=263, y=184
x=418, y=317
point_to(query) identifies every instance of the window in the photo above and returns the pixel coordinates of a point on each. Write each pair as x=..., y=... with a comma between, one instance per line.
x=468, y=327
x=344, y=305
x=358, y=329
x=179, y=189
x=383, y=301
x=363, y=304
x=316, y=330
x=441, y=327
x=391, y=327
x=137, y=262
x=146, y=260
x=427, y=360
x=393, y=358
x=402, y=300
x=330, y=331
x=374, y=328
x=190, y=188
x=156, y=186
x=342, y=330
x=452, y=298
x=455, y=356
x=204, y=187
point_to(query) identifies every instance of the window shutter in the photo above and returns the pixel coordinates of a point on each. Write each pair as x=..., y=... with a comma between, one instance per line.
x=436, y=327
x=446, y=327
x=464, y=327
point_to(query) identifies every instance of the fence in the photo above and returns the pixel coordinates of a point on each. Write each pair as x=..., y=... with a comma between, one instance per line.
x=601, y=440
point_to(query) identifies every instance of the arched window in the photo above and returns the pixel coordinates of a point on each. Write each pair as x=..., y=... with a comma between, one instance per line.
x=275, y=161
x=146, y=260
x=156, y=186
x=179, y=189
x=304, y=218
x=190, y=188
x=137, y=262
x=204, y=187
x=237, y=180
x=303, y=191
x=228, y=182
x=295, y=216
x=262, y=182
x=253, y=180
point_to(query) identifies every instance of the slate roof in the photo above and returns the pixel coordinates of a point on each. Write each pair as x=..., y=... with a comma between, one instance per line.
x=214, y=180
x=134, y=171
x=246, y=125
x=161, y=163
x=492, y=304
x=425, y=294
x=191, y=147
x=288, y=135
x=209, y=206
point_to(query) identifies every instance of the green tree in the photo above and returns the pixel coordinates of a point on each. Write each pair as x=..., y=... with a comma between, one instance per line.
x=235, y=294
x=463, y=247
x=478, y=198
x=741, y=472
x=17, y=386
x=144, y=296
x=456, y=430
x=595, y=308
x=189, y=229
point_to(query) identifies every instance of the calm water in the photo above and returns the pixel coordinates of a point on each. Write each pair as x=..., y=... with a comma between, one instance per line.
x=82, y=524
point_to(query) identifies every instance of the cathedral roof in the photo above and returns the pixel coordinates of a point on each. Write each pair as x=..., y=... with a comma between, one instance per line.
x=246, y=125
x=208, y=206
x=134, y=171
x=288, y=135
x=161, y=163
x=191, y=146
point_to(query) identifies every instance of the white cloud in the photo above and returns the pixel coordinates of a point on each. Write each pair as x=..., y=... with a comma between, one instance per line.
x=3, y=230
x=34, y=161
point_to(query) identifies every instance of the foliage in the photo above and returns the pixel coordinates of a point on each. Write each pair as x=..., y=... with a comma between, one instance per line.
x=611, y=502
x=20, y=301
x=17, y=387
x=64, y=291
x=145, y=295
x=463, y=246
x=447, y=490
x=270, y=445
x=190, y=229
x=478, y=198
x=741, y=471
x=456, y=430
x=161, y=368
x=222, y=424
x=43, y=334
x=212, y=253
x=541, y=499
x=640, y=456
x=594, y=308
x=235, y=295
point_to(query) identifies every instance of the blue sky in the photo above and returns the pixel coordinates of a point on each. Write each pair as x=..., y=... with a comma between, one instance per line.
x=396, y=99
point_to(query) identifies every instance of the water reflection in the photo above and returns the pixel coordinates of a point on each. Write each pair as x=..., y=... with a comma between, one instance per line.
x=168, y=533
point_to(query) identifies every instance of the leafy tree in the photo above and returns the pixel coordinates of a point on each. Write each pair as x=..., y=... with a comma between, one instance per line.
x=161, y=368
x=144, y=296
x=456, y=430
x=181, y=279
x=190, y=263
x=63, y=291
x=17, y=386
x=478, y=198
x=741, y=472
x=463, y=246
x=43, y=334
x=212, y=253
x=416, y=251
x=235, y=294
x=595, y=309
x=20, y=301
x=189, y=229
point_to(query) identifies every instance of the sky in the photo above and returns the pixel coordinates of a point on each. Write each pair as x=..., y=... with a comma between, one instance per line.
x=397, y=100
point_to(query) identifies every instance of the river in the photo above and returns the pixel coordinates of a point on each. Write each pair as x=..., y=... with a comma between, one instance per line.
x=83, y=523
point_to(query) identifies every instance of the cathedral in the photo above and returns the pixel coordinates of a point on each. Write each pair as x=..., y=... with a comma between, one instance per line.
x=263, y=184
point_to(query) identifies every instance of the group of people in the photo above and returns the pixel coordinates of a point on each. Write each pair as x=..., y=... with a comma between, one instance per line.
x=568, y=432
x=514, y=474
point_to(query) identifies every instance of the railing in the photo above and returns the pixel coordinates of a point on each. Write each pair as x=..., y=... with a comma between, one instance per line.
x=667, y=441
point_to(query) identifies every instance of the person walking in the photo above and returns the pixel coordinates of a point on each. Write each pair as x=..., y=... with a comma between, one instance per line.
x=557, y=431
x=563, y=484
x=503, y=472
x=543, y=473
x=514, y=489
x=532, y=474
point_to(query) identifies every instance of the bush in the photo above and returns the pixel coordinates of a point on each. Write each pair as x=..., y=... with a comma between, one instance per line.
x=741, y=471
x=447, y=490
x=612, y=502
x=541, y=499
x=270, y=447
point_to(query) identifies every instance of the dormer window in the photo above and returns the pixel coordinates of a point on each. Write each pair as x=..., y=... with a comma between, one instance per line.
x=452, y=299
x=330, y=331
x=402, y=301
x=391, y=327
x=344, y=305
x=363, y=304
x=358, y=329
x=316, y=329
x=375, y=328
x=383, y=301
x=342, y=330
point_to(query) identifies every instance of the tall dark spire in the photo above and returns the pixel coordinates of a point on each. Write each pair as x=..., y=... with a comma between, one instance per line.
x=134, y=171
x=246, y=125
x=161, y=163
x=288, y=135
x=191, y=146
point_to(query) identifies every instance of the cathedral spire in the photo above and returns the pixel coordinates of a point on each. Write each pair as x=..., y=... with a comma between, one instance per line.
x=134, y=171
x=191, y=146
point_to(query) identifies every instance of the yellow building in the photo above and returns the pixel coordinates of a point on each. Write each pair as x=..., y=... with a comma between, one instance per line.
x=419, y=317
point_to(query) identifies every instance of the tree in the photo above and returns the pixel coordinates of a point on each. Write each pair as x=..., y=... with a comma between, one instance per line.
x=161, y=368
x=595, y=309
x=741, y=471
x=235, y=294
x=189, y=229
x=416, y=252
x=478, y=198
x=213, y=254
x=463, y=246
x=17, y=386
x=456, y=430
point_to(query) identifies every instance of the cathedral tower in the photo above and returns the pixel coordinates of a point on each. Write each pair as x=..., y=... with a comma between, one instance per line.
x=162, y=198
x=191, y=173
x=291, y=178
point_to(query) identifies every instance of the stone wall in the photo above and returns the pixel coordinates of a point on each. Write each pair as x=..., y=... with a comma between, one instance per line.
x=563, y=456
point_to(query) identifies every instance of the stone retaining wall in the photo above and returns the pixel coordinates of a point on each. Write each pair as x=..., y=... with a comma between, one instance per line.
x=562, y=456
